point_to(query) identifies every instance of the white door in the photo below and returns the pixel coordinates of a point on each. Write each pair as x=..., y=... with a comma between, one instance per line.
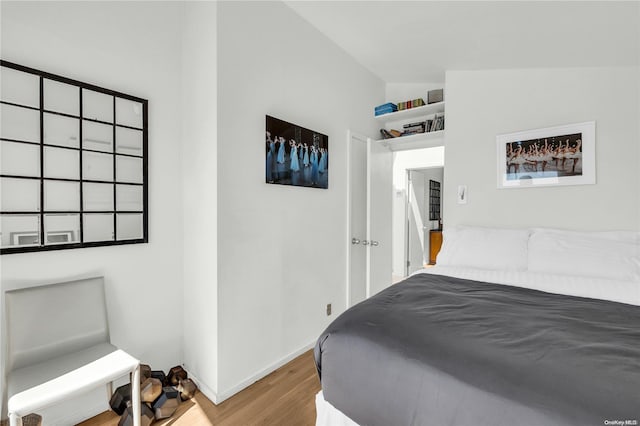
x=417, y=229
x=357, y=219
x=379, y=214
x=370, y=208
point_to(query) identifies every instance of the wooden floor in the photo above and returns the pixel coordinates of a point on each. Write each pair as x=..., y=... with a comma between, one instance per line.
x=284, y=397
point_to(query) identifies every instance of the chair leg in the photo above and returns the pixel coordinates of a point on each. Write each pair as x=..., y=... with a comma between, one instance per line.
x=15, y=420
x=135, y=396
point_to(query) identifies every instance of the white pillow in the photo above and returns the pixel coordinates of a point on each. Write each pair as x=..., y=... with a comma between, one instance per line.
x=611, y=255
x=625, y=236
x=484, y=248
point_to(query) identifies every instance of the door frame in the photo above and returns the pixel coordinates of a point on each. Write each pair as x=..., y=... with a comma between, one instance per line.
x=407, y=212
x=407, y=221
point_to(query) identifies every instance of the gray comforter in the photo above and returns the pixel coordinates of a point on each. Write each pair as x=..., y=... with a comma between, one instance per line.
x=435, y=350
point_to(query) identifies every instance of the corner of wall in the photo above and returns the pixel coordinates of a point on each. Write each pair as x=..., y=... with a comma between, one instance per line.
x=200, y=197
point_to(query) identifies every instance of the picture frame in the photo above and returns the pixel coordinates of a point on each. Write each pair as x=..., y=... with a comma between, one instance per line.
x=552, y=156
x=295, y=155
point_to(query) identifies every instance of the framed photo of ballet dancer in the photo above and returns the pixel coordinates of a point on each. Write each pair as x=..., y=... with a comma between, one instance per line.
x=553, y=156
x=295, y=155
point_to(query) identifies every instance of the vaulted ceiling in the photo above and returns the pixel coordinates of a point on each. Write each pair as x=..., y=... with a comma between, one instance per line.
x=417, y=41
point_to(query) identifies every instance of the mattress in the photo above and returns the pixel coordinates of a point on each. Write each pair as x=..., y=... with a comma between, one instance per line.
x=441, y=350
x=570, y=285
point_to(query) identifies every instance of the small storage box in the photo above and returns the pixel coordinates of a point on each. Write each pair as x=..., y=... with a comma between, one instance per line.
x=434, y=96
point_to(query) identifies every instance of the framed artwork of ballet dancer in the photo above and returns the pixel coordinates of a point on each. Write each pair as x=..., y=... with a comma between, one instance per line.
x=561, y=155
x=295, y=155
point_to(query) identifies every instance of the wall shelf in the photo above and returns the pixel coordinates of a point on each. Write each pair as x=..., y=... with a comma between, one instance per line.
x=420, y=111
x=418, y=141
x=421, y=140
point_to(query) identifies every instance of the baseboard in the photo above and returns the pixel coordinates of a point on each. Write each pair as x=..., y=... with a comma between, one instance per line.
x=264, y=372
x=202, y=387
x=218, y=398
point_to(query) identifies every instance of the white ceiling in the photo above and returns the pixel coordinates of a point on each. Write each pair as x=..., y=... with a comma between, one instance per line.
x=417, y=41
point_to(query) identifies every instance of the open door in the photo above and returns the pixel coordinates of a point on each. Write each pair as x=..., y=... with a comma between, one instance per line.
x=418, y=224
x=379, y=216
x=369, y=215
x=357, y=219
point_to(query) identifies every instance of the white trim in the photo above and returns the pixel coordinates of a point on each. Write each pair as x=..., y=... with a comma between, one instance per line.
x=202, y=387
x=347, y=304
x=218, y=398
x=368, y=237
x=407, y=202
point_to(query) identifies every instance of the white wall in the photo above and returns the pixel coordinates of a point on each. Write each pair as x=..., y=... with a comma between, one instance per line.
x=200, y=184
x=281, y=249
x=483, y=104
x=133, y=48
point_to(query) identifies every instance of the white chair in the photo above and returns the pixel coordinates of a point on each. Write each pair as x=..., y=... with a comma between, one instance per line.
x=58, y=347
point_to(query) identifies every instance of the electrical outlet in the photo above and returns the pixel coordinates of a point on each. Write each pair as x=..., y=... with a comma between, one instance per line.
x=328, y=309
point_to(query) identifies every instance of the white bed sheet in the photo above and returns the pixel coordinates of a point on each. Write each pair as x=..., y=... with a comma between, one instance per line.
x=591, y=287
x=328, y=415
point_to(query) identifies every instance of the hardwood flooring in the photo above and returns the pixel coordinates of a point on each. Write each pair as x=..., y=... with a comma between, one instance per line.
x=284, y=397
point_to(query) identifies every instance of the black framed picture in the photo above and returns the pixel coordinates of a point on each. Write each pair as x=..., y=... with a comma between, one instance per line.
x=295, y=155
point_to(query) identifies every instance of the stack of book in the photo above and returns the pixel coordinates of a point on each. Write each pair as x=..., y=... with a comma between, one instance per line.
x=413, y=128
x=410, y=104
x=431, y=125
x=385, y=108
x=437, y=123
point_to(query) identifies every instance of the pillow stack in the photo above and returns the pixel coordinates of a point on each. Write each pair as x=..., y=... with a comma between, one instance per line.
x=611, y=255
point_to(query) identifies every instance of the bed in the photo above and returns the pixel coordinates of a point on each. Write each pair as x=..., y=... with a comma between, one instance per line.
x=513, y=327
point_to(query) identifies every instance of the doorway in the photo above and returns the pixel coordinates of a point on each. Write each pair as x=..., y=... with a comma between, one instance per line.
x=413, y=248
x=423, y=207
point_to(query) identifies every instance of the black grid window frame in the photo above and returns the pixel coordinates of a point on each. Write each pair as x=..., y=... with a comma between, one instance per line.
x=434, y=200
x=42, y=246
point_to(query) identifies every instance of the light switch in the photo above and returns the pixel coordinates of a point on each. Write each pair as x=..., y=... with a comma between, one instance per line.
x=462, y=194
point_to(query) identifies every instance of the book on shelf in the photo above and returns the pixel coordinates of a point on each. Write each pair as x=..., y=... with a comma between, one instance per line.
x=410, y=104
x=437, y=123
x=428, y=124
x=386, y=134
x=384, y=111
x=385, y=108
x=412, y=132
x=388, y=105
